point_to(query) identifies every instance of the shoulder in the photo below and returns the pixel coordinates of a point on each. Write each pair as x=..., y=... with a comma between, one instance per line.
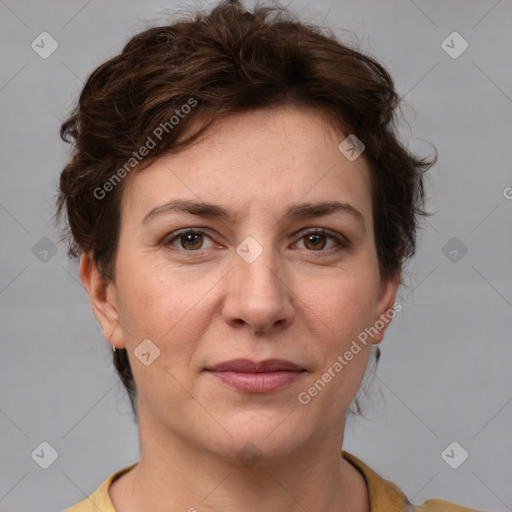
x=385, y=496
x=99, y=500
x=435, y=505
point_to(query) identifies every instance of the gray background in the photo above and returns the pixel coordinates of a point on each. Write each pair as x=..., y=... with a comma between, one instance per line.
x=445, y=373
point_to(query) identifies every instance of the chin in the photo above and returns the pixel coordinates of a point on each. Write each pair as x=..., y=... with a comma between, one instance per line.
x=258, y=437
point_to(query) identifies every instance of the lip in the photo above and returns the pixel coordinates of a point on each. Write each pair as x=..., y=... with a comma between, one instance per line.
x=257, y=377
x=248, y=366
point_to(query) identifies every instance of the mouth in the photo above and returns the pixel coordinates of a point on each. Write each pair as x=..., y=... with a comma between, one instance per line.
x=257, y=377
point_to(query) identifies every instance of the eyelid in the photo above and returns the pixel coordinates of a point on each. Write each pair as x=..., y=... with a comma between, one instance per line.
x=341, y=240
x=175, y=235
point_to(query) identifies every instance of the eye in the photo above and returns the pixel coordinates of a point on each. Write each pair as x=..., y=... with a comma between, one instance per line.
x=189, y=239
x=317, y=239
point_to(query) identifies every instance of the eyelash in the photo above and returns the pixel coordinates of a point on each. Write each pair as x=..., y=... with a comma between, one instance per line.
x=342, y=242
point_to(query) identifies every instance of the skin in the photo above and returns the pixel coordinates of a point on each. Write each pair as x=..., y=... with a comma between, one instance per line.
x=300, y=301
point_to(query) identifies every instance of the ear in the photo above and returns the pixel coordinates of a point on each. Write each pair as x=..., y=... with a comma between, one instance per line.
x=103, y=298
x=385, y=303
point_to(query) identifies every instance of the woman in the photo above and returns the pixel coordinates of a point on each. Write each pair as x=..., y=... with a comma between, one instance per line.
x=243, y=211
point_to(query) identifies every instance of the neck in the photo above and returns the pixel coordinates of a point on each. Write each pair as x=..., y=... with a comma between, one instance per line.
x=174, y=475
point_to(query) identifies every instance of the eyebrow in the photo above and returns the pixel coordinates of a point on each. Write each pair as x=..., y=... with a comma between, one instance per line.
x=294, y=212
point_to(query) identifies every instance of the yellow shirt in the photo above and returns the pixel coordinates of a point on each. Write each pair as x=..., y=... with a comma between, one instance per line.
x=384, y=495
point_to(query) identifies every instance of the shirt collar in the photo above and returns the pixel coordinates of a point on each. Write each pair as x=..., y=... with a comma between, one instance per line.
x=384, y=495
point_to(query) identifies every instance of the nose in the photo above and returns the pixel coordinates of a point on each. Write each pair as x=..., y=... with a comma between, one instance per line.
x=257, y=295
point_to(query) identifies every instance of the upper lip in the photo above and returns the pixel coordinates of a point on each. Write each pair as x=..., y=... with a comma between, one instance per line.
x=248, y=366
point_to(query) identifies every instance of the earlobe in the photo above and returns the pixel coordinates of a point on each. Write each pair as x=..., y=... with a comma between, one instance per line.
x=103, y=300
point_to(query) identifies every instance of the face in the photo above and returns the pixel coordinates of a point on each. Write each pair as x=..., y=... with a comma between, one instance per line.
x=255, y=283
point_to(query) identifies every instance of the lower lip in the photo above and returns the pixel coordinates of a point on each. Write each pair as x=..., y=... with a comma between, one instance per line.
x=258, y=382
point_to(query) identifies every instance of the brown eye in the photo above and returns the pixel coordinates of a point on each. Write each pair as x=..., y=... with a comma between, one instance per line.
x=190, y=240
x=318, y=239
x=315, y=241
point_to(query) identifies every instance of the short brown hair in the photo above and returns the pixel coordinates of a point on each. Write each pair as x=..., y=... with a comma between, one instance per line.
x=218, y=63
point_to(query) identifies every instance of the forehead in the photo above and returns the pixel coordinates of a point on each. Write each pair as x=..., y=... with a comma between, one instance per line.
x=262, y=159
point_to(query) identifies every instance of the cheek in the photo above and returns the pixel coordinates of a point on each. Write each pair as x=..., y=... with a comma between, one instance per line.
x=156, y=300
x=340, y=313
x=345, y=307
x=169, y=312
x=173, y=310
